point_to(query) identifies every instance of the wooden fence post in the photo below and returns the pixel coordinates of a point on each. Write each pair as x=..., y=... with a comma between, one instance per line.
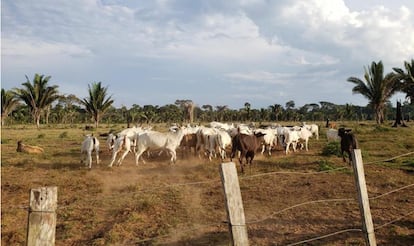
x=41, y=225
x=363, y=200
x=234, y=204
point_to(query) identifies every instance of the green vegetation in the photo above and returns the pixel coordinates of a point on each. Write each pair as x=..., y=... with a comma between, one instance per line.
x=98, y=102
x=376, y=87
x=332, y=148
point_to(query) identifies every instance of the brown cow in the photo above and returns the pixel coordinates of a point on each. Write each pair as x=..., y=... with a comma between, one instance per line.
x=247, y=145
x=189, y=142
x=21, y=147
x=348, y=142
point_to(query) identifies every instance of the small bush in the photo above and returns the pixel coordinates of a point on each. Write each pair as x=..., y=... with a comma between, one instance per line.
x=332, y=148
x=63, y=135
x=42, y=135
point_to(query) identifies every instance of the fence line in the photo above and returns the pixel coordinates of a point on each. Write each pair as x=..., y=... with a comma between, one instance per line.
x=393, y=191
x=325, y=236
x=276, y=212
x=292, y=244
x=258, y=175
x=241, y=178
x=395, y=220
x=219, y=181
x=349, y=230
x=295, y=206
x=299, y=205
x=387, y=160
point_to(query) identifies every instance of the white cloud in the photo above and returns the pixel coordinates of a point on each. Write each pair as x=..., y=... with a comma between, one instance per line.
x=263, y=43
x=38, y=48
x=259, y=76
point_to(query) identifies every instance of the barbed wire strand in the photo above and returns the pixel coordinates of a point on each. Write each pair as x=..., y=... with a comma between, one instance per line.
x=392, y=191
x=257, y=175
x=292, y=244
x=290, y=172
x=219, y=180
x=325, y=236
x=390, y=159
x=348, y=230
x=299, y=205
x=393, y=221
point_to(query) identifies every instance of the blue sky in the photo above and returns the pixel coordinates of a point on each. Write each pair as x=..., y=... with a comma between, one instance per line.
x=209, y=51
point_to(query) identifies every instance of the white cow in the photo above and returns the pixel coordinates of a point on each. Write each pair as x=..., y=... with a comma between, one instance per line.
x=205, y=141
x=313, y=128
x=223, y=141
x=294, y=134
x=269, y=139
x=121, y=143
x=90, y=144
x=159, y=140
x=291, y=137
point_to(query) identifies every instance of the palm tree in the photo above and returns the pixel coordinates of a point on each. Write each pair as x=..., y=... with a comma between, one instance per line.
x=247, y=107
x=37, y=96
x=9, y=102
x=376, y=88
x=407, y=79
x=97, y=103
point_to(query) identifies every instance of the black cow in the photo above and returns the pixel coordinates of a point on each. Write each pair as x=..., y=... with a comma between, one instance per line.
x=348, y=142
x=247, y=145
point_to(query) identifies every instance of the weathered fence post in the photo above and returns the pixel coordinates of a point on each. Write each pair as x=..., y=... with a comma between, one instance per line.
x=363, y=200
x=41, y=225
x=234, y=204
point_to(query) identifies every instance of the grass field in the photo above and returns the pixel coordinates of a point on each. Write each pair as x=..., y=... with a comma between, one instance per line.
x=161, y=204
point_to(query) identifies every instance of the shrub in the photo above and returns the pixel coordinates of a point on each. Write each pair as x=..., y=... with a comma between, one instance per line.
x=63, y=135
x=332, y=148
x=42, y=135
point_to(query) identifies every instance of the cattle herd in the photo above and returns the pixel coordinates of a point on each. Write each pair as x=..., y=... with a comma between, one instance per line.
x=216, y=140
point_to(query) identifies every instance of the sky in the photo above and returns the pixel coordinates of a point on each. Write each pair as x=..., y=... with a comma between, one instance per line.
x=213, y=52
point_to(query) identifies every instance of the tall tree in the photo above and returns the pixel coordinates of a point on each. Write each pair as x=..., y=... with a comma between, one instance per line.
x=98, y=101
x=407, y=79
x=376, y=88
x=247, y=107
x=188, y=107
x=9, y=102
x=37, y=96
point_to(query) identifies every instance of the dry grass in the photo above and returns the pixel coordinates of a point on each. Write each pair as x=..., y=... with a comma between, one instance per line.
x=126, y=205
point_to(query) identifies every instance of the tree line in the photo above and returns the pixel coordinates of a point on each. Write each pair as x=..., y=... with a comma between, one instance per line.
x=40, y=103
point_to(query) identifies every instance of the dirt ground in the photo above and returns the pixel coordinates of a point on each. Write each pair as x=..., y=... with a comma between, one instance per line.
x=284, y=203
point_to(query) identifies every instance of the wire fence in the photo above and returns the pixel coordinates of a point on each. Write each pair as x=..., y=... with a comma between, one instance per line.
x=274, y=213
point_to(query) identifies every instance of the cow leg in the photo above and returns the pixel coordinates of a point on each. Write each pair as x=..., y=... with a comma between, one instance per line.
x=122, y=157
x=113, y=158
x=241, y=161
x=138, y=155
